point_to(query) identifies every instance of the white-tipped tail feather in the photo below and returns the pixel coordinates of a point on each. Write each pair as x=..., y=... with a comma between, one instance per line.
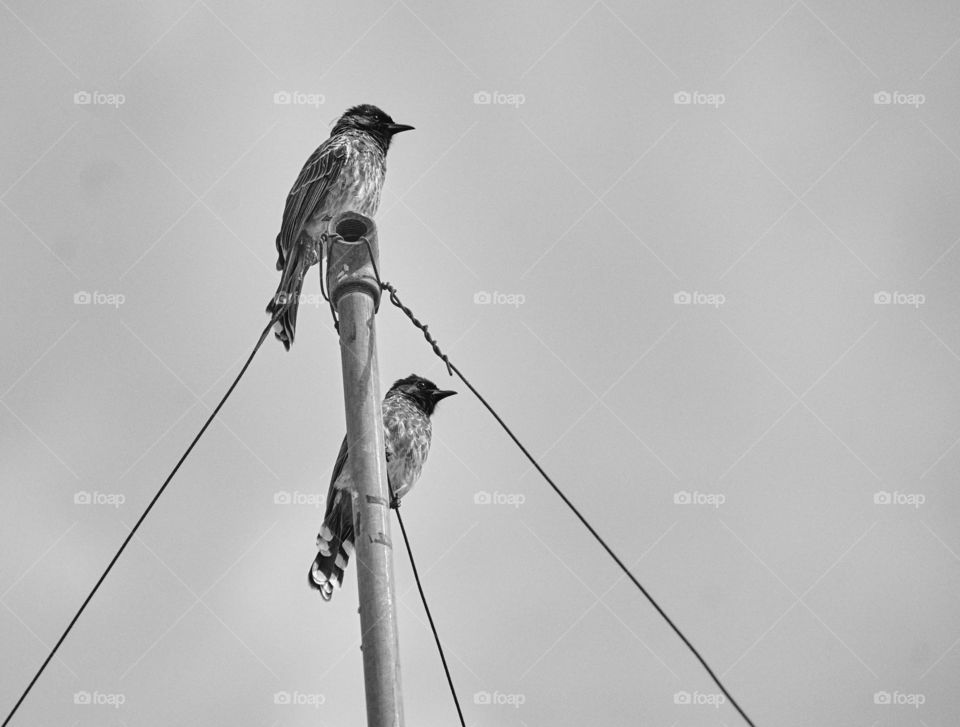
x=334, y=546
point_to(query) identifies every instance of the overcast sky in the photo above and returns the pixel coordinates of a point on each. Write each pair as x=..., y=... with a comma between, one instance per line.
x=702, y=256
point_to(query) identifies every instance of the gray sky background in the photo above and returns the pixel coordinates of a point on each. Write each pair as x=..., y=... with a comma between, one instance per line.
x=776, y=459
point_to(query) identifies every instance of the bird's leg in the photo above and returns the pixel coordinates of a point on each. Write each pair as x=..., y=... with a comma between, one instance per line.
x=325, y=235
x=315, y=250
x=394, y=502
x=325, y=239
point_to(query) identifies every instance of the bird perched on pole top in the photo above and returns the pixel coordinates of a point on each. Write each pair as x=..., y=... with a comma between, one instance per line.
x=407, y=409
x=344, y=174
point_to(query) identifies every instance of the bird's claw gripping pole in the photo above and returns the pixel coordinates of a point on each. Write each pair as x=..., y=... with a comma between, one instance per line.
x=355, y=296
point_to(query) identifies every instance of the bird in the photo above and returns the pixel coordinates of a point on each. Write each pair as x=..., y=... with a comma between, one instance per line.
x=407, y=408
x=345, y=173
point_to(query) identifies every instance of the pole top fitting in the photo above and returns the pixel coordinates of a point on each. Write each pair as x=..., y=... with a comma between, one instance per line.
x=353, y=257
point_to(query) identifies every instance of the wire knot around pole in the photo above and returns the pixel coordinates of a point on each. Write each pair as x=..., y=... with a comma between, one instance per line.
x=395, y=299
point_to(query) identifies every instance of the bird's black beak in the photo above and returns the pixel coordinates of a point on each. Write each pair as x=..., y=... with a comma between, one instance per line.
x=438, y=394
x=397, y=128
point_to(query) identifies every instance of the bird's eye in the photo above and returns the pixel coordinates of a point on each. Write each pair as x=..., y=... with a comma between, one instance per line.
x=421, y=385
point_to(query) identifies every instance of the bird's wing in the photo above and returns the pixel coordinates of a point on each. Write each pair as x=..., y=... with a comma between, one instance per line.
x=307, y=194
x=342, y=462
x=337, y=470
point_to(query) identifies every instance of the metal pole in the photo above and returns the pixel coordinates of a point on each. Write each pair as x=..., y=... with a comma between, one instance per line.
x=355, y=294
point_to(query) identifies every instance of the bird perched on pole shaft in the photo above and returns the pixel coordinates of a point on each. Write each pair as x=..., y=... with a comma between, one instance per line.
x=344, y=174
x=407, y=408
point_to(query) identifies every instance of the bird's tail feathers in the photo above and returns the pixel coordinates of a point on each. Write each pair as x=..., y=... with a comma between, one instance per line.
x=286, y=300
x=335, y=545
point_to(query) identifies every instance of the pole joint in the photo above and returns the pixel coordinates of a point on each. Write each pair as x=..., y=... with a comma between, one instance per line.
x=353, y=256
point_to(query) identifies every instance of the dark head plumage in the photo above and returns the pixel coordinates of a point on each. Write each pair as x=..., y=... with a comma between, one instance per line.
x=372, y=120
x=422, y=392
